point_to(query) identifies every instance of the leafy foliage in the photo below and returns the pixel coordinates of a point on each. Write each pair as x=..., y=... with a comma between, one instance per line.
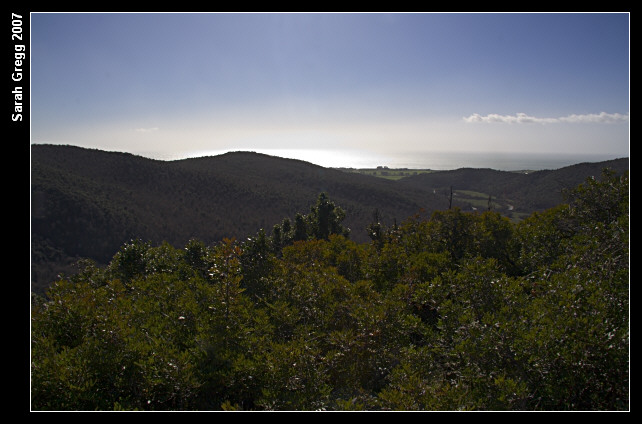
x=456, y=311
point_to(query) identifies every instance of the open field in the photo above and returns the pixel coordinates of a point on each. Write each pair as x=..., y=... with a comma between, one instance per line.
x=387, y=173
x=483, y=201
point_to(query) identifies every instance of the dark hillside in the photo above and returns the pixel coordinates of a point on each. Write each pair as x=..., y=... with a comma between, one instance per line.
x=525, y=193
x=86, y=203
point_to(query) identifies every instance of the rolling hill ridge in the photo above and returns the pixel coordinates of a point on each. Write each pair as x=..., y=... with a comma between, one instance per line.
x=86, y=203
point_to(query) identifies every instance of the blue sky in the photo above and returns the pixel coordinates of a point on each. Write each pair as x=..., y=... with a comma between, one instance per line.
x=169, y=86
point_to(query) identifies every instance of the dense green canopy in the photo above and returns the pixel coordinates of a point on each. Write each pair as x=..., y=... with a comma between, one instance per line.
x=456, y=311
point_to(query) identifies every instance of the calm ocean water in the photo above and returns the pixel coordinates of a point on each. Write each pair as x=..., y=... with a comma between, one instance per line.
x=498, y=161
x=440, y=160
x=501, y=161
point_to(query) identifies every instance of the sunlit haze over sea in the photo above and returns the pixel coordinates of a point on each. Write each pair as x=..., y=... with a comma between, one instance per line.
x=503, y=161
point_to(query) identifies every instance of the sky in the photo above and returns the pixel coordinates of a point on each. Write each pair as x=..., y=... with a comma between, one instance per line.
x=332, y=87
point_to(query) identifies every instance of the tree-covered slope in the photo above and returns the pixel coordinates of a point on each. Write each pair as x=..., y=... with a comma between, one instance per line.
x=456, y=311
x=86, y=202
x=525, y=192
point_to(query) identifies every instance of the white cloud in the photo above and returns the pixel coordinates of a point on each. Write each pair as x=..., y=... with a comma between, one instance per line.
x=602, y=117
x=522, y=118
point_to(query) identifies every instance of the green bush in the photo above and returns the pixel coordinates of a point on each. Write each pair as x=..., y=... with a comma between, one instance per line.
x=459, y=311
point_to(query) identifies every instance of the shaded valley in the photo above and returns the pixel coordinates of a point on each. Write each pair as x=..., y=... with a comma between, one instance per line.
x=86, y=203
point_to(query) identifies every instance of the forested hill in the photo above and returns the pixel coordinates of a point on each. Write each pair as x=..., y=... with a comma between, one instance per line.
x=86, y=203
x=513, y=192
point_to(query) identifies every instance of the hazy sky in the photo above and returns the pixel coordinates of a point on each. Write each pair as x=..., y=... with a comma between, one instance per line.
x=176, y=85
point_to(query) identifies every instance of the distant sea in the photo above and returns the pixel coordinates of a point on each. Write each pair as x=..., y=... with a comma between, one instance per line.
x=499, y=161
x=435, y=160
x=441, y=160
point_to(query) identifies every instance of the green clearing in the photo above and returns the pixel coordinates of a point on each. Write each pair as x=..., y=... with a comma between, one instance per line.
x=476, y=199
x=479, y=201
x=387, y=173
